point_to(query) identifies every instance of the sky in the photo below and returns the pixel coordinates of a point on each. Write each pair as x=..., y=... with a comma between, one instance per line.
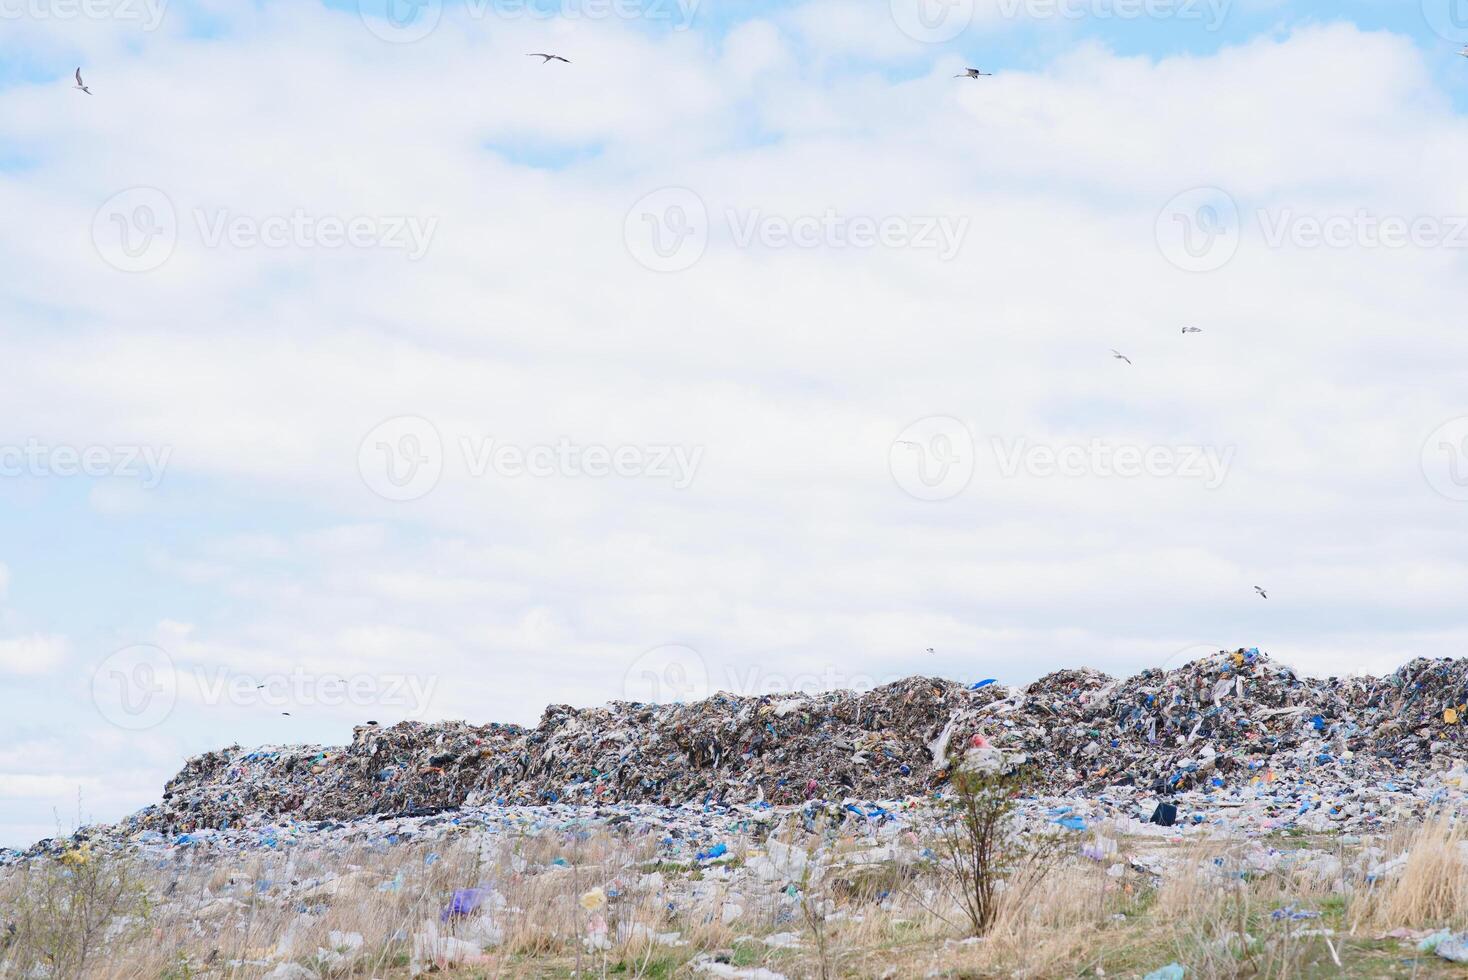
x=357, y=366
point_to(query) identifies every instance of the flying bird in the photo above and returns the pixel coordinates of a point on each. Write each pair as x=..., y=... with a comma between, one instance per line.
x=1120, y=356
x=80, y=84
x=1262, y=593
x=974, y=73
x=548, y=57
x=930, y=649
x=1192, y=329
x=1464, y=52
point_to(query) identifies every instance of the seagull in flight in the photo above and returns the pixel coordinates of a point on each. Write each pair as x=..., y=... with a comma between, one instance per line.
x=974, y=73
x=930, y=649
x=548, y=57
x=1464, y=52
x=1262, y=594
x=1120, y=356
x=80, y=84
x=1192, y=329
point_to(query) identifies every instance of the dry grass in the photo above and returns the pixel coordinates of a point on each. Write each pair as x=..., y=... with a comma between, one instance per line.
x=1433, y=885
x=1213, y=906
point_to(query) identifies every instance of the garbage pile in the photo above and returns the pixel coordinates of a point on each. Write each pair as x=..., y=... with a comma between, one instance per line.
x=408, y=769
x=1232, y=724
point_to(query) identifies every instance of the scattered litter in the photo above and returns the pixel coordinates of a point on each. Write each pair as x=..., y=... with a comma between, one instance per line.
x=1172, y=971
x=292, y=971
x=1453, y=948
x=727, y=971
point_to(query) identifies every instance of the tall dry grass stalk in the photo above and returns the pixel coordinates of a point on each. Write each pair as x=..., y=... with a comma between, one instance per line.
x=1432, y=887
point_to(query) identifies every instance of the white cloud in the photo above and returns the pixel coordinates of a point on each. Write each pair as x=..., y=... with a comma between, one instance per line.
x=29, y=655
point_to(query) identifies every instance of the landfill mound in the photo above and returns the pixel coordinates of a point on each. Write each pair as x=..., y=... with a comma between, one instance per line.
x=1226, y=721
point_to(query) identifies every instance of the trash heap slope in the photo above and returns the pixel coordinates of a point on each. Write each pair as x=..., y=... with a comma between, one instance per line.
x=1232, y=720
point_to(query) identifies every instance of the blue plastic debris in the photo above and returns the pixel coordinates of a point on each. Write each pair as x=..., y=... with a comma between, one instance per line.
x=466, y=902
x=1293, y=914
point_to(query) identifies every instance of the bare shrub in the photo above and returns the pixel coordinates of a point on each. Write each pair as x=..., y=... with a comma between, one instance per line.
x=66, y=912
x=984, y=851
